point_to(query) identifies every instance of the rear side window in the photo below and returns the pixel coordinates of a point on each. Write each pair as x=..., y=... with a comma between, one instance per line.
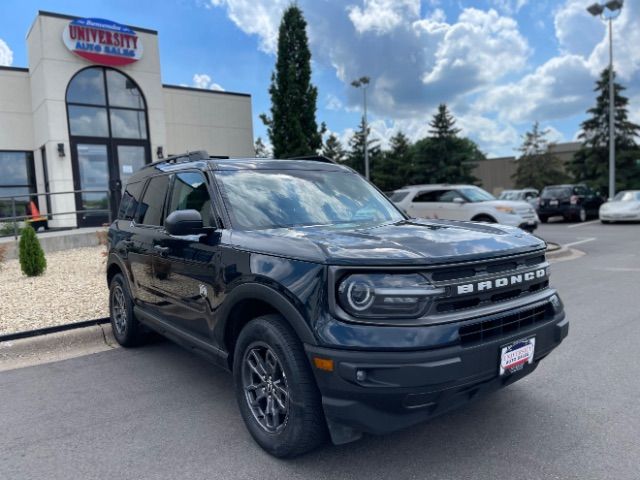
x=398, y=195
x=130, y=201
x=152, y=204
x=190, y=193
x=556, y=192
x=431, y=196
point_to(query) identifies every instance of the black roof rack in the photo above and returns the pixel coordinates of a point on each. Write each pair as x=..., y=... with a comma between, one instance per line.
x=316, y=158
x=187, y=157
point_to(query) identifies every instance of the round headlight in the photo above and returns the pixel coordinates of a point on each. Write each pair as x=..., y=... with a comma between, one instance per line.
x=359, y=295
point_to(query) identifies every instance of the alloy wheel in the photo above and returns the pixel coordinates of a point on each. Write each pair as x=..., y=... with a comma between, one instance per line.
x=265, y=387
x=119, y=310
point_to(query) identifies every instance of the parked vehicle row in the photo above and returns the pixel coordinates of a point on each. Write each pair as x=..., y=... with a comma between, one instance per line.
x=625, y=207
x=464, y=202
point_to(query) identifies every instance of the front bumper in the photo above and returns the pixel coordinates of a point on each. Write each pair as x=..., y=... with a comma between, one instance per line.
x=400, y=389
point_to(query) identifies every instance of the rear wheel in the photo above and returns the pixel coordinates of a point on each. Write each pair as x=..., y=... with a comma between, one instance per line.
x=582, y=215
x=275, y=389
x=543, y=218
x=484, y=218
x=126, y=329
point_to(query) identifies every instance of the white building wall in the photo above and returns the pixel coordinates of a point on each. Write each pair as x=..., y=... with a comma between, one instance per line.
x=217, y=122
x=16, y=122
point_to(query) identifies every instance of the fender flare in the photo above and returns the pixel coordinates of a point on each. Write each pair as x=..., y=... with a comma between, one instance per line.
x=272, y=297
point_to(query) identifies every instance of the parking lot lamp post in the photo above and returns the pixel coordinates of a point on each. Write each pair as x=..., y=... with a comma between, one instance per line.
x=363, y=82
x=608, y=12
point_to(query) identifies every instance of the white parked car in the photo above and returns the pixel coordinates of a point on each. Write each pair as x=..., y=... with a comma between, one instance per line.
x=463, y=202
x=625, y=206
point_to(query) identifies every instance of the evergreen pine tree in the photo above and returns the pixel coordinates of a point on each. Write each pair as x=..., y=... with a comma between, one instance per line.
x=537, y=165
x=292, y=126
x=333, y=149
x=591, y=163
x=260, y=148
x=395, y=165
x=443, y=124
x=355, y=157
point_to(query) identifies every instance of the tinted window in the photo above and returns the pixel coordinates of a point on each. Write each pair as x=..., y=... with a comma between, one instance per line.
x=130, y=201
x=150, y=211
x=87, y=87
x=581, y=190
x=556, y=192
x=17, y=179
x=398, y=195
x=431, y=196
x=449, y=196
x=128, y=123
x=287, y=198
x=476, y=194
x=88, y=121
x=122, y=91
x=190, y=193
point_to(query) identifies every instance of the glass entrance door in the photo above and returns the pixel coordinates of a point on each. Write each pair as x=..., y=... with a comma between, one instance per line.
x=92, y=174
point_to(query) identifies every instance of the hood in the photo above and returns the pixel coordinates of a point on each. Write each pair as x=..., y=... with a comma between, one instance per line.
x=409, y=242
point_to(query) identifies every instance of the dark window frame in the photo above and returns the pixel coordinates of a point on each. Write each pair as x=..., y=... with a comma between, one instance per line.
x=147, y=181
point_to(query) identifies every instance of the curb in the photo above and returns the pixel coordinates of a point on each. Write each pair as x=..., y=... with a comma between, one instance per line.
x=54, y=329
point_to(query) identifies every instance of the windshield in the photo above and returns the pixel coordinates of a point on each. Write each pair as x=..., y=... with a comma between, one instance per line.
x=398, y=195
x=475, y=194
x=273, y=199
x=509, y=195
x=627, y=196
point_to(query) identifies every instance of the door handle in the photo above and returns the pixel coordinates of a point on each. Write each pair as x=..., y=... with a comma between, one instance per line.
x=162, y=250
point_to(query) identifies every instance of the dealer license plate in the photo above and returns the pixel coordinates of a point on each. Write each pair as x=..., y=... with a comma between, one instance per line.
x=515, y=356
x=553, y=203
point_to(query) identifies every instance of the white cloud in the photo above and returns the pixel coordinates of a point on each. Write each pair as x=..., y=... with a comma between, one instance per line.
x=333, y=103
x=202, y=80
x=577, y=31
x=260, y=17
x=6, y=54
x=509, y=7
x=382, y=16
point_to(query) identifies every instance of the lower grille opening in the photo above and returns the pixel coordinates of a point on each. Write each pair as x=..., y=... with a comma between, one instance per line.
x=502, y=326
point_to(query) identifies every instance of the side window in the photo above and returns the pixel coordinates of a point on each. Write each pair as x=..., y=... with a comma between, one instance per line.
x=426, y=197
x=580, y=190
x=152, y=204
x=190, y=193
x=449, y=195
x=130, y=201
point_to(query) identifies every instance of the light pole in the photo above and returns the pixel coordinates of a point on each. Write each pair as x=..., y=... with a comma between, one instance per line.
x=363, y=82
x=609, y=11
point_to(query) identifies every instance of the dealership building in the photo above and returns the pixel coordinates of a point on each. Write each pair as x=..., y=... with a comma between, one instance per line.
x=90, y=108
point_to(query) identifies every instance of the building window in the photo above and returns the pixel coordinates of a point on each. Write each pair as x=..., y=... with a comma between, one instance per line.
x=17, y=178
x=103, y=102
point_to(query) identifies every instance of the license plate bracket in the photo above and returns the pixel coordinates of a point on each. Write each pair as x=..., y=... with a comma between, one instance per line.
x=515, y=355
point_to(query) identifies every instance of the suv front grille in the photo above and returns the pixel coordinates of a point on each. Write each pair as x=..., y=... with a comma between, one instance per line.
x=487, y=330
x=452, y=277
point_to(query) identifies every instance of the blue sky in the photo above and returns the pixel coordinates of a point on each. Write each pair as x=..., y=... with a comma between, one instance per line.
x=499, y=64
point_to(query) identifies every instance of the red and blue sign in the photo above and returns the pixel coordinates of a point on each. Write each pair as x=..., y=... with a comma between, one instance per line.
x=102, y=41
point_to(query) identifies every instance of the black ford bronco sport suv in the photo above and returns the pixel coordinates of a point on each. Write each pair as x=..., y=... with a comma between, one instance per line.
x=336, y=313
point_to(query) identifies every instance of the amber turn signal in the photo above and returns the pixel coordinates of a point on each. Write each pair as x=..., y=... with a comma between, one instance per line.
x=325, y=364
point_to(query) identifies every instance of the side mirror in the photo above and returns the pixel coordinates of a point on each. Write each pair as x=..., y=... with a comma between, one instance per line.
x=458, y=200
x=184, y=222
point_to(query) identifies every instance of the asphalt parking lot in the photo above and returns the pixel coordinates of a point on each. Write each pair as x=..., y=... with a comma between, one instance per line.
x=160, y=412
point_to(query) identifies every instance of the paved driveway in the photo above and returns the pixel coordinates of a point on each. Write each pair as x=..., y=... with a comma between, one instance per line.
x=160, y=412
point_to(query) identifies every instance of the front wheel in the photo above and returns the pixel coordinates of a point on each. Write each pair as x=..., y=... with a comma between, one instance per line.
x=275, y=389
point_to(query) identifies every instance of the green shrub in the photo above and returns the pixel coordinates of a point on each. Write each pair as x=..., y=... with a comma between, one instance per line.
x=32, y=261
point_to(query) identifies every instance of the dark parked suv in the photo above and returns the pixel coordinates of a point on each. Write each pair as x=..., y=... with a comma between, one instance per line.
x=573, y=202
x=336, y=313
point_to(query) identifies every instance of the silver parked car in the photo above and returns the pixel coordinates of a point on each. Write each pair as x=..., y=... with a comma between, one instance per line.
x=529, y=195
x=625, y=206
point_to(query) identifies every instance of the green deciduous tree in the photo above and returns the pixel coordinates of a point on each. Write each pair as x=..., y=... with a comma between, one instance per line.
x=591, y=163
x=292, y=125
x=32, y=261
x=333, y=149
x=537, y=165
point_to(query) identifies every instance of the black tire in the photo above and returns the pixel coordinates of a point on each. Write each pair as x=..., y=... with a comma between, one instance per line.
x=484, y=218
x=298, y=428
x=582, y=215
x=543, y=218
x=126, y=329
x=606, y=221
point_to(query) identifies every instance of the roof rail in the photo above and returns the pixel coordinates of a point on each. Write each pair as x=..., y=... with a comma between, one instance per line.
x=316, y=158
x=187, y=157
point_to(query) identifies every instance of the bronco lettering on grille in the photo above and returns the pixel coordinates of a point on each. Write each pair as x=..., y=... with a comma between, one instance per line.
x=501, y=282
